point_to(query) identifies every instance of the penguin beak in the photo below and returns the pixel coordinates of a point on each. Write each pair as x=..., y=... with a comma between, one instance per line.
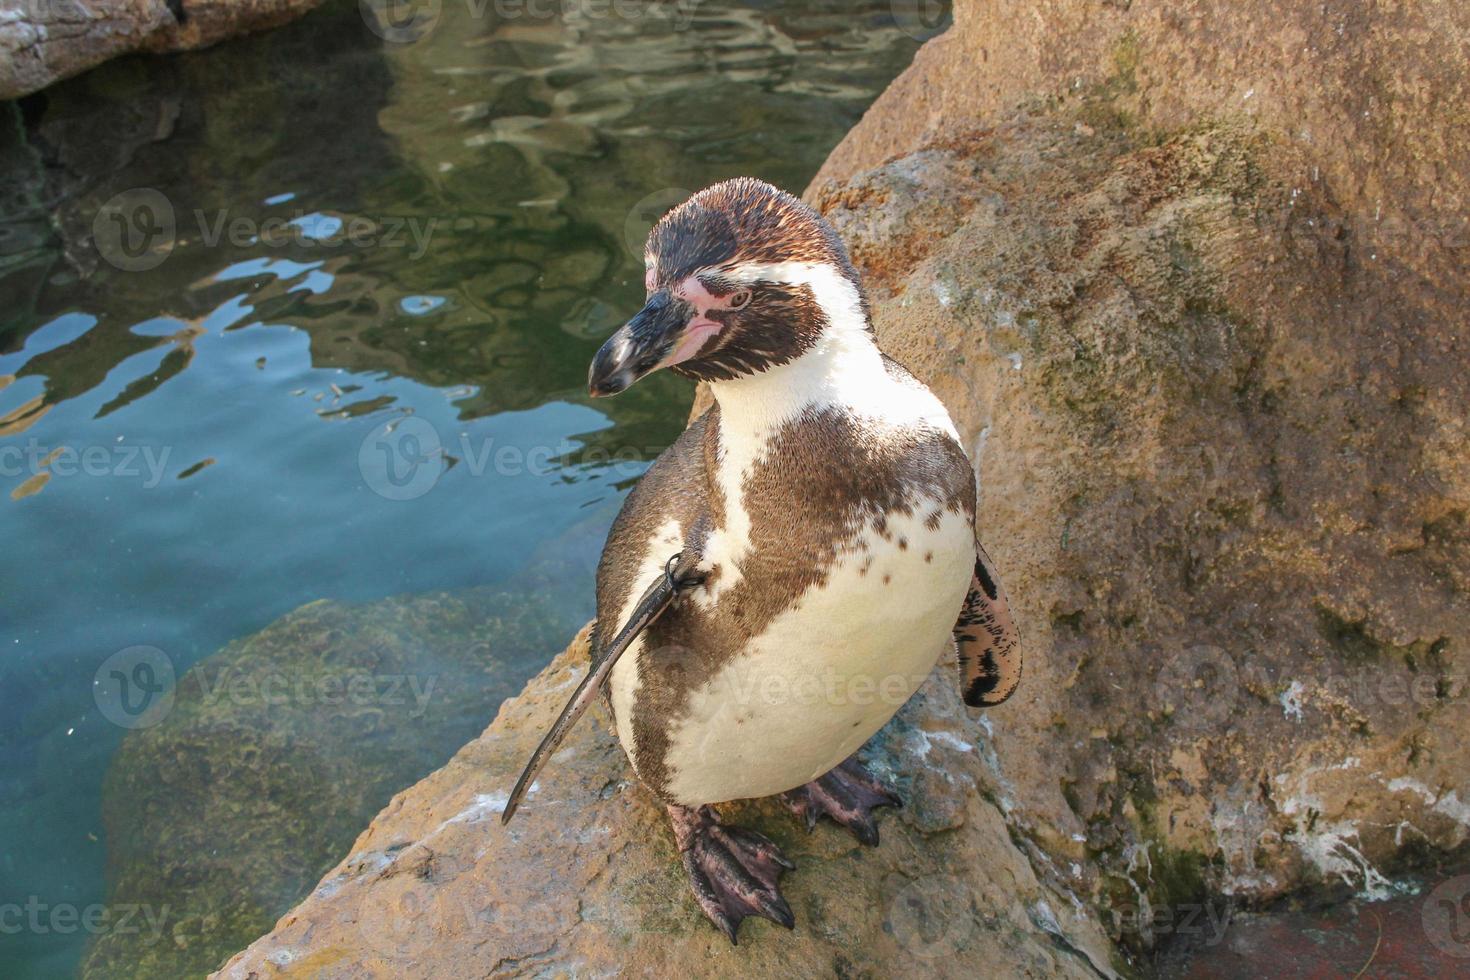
x=640, y=346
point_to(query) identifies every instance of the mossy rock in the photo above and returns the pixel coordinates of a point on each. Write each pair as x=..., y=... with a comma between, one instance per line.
x=282, y=746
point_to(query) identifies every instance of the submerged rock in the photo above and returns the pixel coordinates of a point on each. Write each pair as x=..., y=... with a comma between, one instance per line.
x=586, y=880
x=279, y=748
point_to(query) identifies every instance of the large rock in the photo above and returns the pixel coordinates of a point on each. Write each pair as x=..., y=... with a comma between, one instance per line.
x=1221, y=455
x=586, y=880
x=44, y=41
x=1193, y=284
x=1373, y=95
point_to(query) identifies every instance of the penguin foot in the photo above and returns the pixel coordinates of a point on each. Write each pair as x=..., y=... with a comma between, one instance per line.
x=848, y=794
x=733, y=871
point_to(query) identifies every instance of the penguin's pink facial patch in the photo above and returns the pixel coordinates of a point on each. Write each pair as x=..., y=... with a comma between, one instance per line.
x=702, y=327
x=650, y=277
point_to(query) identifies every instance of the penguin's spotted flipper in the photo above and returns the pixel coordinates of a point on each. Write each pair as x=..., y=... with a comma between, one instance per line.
x=848, y=794
x=733, y=871
x=678, y=575
x=987, y=638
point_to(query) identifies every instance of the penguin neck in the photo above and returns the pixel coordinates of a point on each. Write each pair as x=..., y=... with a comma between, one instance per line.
x=843, y=368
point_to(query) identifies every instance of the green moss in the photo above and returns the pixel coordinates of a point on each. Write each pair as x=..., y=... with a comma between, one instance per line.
x=1101, y=108
x=1125, y=61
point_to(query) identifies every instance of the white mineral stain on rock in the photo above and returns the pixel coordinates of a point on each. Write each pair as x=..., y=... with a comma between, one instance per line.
x=1291, y=700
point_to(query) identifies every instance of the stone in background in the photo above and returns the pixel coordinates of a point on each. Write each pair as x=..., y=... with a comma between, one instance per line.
x=44, y=41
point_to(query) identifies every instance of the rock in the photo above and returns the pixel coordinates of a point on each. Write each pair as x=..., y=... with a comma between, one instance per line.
x=278, y=749
x=44, y=41
x=1371, y=95
x=586, y=880
x=1379, y=939
x=1208, y=354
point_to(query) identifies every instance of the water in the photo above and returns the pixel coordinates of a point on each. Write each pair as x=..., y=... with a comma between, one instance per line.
x=308, y=315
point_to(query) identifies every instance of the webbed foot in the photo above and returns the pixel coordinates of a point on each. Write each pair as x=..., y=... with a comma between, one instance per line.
x=848, y=794
x=733, y=871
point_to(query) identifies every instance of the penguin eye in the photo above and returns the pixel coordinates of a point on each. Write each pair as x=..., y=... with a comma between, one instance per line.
x=740, y=299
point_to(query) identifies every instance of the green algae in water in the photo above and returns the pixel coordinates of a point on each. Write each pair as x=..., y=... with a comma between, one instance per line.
x=281, y=747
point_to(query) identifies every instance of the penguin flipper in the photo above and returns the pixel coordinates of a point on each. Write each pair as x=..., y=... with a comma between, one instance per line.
x=988, y=641
x=659, y=596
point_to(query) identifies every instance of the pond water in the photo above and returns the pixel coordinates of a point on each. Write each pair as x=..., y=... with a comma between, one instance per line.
x=309, y=314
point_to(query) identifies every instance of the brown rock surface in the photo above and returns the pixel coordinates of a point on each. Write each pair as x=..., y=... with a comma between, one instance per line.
x=44, y=41
x=1376, y=96
x=1210, y=355
x=1221, y=449
x=586, y=881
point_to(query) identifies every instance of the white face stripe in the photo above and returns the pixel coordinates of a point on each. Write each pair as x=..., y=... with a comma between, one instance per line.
x=833, y=291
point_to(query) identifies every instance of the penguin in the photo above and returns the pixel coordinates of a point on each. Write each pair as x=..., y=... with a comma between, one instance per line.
x=791, y=569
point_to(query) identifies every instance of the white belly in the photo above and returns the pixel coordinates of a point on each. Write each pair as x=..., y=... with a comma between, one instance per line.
x=830, y=671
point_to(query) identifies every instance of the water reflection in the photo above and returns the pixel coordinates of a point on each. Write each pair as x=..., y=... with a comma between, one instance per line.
x=308, y=315
x=461, y=214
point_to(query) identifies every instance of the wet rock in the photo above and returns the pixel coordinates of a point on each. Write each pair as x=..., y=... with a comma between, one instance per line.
x=278, y=749
x=44, y=42
x=1417, y=934
x=586, y=880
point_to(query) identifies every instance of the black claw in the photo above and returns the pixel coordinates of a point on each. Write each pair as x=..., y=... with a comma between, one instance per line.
x=848, y=795
x=778, y=912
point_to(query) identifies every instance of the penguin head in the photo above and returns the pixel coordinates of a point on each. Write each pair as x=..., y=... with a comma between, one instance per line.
x=741, y=278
